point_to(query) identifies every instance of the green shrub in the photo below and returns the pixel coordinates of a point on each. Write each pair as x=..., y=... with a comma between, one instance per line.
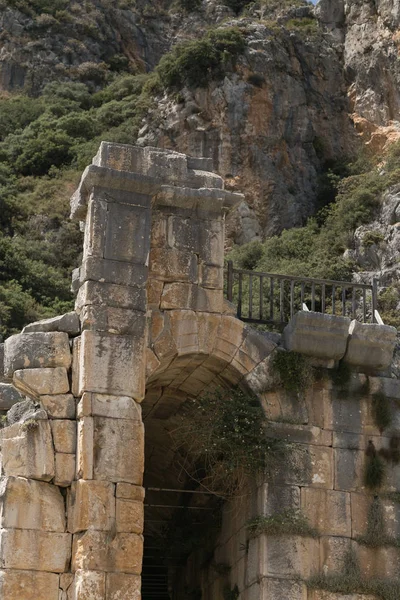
x=37, y=155
x=306, y=25
x=195, y=63
x=294, y=371
x=372, y=238
x=224, y=437
x=287, y=522
x=16, y=112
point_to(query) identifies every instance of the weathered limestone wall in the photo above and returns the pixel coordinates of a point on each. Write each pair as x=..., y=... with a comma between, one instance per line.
x=332, y=433
x=150, y=320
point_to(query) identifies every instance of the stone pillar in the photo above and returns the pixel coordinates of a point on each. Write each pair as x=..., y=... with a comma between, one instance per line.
x=116, y=196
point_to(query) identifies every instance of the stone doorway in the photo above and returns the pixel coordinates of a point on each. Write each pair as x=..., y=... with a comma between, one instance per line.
x=178, y=509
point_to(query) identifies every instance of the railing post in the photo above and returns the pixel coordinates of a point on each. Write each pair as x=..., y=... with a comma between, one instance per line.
x=229, y=282
x=374, y=298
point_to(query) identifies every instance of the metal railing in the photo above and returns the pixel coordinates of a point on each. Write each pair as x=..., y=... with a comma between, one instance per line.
x=271, y=298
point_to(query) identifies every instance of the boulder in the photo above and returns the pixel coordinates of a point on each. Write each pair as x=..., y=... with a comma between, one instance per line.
x=35, y=351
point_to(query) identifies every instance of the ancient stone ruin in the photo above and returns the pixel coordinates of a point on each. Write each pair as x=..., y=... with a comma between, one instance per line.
x=94, y=397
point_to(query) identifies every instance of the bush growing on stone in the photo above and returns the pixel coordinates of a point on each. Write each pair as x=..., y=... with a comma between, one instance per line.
x=294, y=371
x=350, y=581
x=290, y=521
x=223, y=435
x=195, y=63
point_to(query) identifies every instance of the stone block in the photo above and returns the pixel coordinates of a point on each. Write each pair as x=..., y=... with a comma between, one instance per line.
x=24, y=411
x=230, y=335
x=68, y=323
x=34, y=550
x=61, y=406
x=385, y=385
x=89, y=585
x=370, y=345
x=127, y=233
x=273, y=498
x=113, y=271
x=97, y=293
x=9, y=395
x=121, y=321
x=65, y=468
x=184, y=330
x=333, y=554
x=345, y=414
x=381, y=563
x=113, y=364
x=116, y=407
x=303, y=434
x=30, y=504
x=91, y=505
x=255, y=348
x=95, y=227
x=318, y=335
x=85, y=447
x=121, y=585
x=76, y=355
x=192, y=297
x=64, y=436
x=28, y=585
x=27, y=451
x=66, y=581
x=36, y=350
x=128, y=491
x=129, y=516
x=171, y=264
x=208, y=324
x=349, y=469
x=119, y=445
x=308, y=465
x=42, y=382
x=329, y=511
x=95, y=551
x=322, y=595
x=287, y=556
x=280, y=589
x=211, y=242
x=211, y=276
x=154, y=292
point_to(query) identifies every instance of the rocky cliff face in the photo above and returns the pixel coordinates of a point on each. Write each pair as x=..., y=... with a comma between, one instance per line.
x=304, y=91
x=268, y=126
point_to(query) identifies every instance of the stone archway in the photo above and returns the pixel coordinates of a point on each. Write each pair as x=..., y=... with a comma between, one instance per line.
x=151, y=312
x=194, y=353
x=151, y=327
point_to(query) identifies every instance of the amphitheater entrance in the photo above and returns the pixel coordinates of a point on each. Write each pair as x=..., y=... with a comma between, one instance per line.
x=182, y=514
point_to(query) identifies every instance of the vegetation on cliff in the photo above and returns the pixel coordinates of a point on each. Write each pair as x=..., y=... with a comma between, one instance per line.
x=46, y=142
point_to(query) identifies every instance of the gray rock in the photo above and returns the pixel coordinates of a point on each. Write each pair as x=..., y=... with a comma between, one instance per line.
x=36, y=350
x=9, y=396
x=317, y=335
x=370, y=345
x=68, y=323
x=25, y=411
